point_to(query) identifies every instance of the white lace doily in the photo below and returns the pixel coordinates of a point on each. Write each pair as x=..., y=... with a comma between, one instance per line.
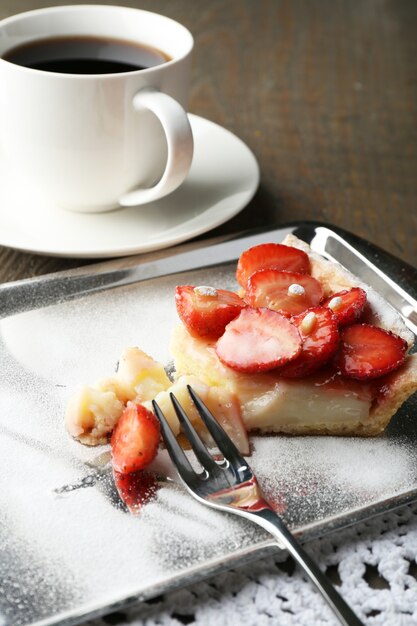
x=373, y=564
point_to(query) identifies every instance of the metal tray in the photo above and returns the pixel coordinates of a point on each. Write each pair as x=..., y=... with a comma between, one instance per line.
x=69, y=551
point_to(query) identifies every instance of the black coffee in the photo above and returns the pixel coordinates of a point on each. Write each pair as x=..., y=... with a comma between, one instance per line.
x=85, y=55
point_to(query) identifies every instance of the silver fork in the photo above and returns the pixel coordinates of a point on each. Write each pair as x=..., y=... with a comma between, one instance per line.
x=230, y=485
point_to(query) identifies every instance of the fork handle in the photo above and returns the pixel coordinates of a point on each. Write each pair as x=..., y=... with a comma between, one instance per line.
x=269, y=520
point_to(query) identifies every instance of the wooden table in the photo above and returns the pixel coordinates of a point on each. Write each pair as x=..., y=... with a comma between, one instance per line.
x=324, y=93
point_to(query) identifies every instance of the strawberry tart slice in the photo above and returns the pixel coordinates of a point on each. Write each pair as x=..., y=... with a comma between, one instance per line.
x=300, y=347
x=310, y=349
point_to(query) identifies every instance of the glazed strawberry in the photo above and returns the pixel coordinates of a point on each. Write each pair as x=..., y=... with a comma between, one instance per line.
x=135, y=439
x=288, y=293
x=367, y=352
x=258, y=340
x=135, y=489
x=271, y=255
x=320, y=335
x=206, y=311
x=347, y=305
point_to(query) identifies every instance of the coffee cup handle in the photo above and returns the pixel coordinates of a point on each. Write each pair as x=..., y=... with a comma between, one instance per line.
x=179, y=138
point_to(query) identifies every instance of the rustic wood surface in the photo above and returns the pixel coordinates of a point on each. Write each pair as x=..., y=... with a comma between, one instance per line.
x=325, y=95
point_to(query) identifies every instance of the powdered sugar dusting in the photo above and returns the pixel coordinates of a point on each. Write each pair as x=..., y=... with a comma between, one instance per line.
x=55, y=495
x=316, y=471
x=60, y=516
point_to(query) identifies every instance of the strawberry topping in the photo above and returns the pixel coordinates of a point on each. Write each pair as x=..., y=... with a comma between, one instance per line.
x=135, y=439
x=258, y=340
x=289, y=293
x=320, y=335
x=135, y=489
x=347, y=305
x=367, y=352
x=271, y=255
x=206, y=311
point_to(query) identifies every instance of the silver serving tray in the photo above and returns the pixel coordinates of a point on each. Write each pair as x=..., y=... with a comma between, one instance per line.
x=69, y=549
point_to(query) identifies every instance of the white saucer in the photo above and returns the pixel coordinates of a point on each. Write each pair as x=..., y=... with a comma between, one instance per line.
x=223, y=178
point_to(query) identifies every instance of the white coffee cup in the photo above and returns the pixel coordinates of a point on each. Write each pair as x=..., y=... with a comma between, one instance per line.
x=95, y=142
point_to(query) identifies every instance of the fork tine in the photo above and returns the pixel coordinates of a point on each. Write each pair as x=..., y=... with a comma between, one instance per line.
x=197, y=445
x=175, y=451
x=223, y=441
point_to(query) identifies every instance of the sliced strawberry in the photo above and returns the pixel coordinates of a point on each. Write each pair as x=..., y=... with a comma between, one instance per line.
x=320, y=335
x=347, y=305
x=367, y=352
x=288, y=293
x=271, y=255
x=136, y=488
x=135, y=439
x=258, y=340
x=206, y=311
